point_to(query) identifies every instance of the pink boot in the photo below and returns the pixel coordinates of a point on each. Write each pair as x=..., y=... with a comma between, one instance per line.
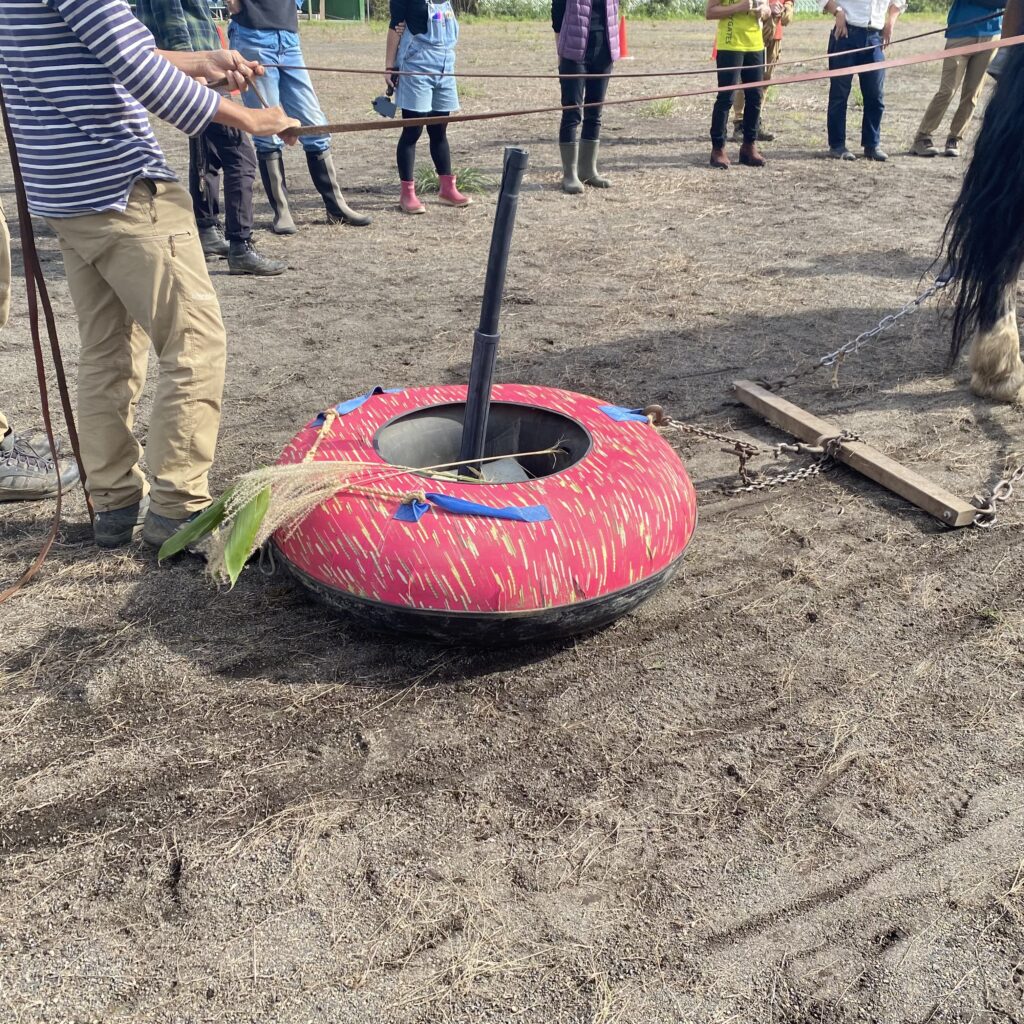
x=409, y=201
x=449, y=194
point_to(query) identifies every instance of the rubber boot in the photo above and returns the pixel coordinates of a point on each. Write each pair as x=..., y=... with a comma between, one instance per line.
x=410, y=202
x=449, y=194
x=321, y=170
x=589, y=148
x=272, y=176
x=570, y=157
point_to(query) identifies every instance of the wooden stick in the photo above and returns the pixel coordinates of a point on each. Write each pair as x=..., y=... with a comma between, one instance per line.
x=946, y=507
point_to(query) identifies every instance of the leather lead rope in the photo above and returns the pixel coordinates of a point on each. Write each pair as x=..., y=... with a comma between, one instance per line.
x=35, y=286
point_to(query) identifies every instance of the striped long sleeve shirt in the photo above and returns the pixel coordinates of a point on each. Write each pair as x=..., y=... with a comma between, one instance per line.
x=78, y=77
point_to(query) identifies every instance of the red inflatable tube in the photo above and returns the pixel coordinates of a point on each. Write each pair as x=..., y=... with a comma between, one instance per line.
x=620, y=516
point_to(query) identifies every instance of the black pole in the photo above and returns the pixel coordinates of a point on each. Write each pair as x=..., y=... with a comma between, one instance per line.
x=485, y=340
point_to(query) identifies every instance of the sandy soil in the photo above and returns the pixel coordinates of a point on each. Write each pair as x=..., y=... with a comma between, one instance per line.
x=787, y=790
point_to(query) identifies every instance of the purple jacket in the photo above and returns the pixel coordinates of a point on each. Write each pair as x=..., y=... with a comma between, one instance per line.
x=575, y=28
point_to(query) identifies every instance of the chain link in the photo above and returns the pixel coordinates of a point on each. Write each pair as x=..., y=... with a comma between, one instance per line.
x=834, y=359
x=826, y=461
x=987, y=504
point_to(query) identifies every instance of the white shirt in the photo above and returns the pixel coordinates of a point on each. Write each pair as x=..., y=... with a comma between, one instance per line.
x=868, y=13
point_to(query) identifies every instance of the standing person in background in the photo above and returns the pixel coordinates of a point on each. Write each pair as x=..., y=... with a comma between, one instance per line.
x=588, y=43
x=864, y=26
x=267, y=31
x=739, y=54
x=771, y=32
x=421, y=39
x=965, y=73
x=186, y=25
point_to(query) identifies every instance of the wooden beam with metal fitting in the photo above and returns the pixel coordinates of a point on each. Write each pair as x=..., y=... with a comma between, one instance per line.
x=948, y=508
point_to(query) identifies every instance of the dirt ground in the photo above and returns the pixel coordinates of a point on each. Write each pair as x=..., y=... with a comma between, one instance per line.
x=786, y=791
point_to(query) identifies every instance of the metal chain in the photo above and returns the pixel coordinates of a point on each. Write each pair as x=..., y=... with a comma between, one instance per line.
x=1002, y=491
x=835, y=358
x=746, y=450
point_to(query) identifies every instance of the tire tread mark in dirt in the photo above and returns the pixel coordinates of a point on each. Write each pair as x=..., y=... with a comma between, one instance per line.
x=834, y=893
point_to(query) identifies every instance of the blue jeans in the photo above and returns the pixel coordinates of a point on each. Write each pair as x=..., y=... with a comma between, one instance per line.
x=872, y=85
x=292, y=90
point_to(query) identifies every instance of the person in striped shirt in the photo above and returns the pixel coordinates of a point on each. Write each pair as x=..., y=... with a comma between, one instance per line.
x=78, y=77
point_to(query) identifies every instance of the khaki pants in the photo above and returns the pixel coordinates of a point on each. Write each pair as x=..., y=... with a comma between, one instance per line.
x=134, y=277
x=968, y=71
x=772, y=52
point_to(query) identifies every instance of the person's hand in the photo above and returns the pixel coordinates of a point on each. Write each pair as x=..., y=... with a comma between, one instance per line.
x=272, y=121
x=230, y=68
x=391, y=80
x=764, y=12
x=233, y=6
x=886, y=35
x=841, y=30
x=776, y=10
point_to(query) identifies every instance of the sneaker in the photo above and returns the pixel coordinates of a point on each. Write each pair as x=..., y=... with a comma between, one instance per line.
x=121, y=526
x=28, y=472
x=213, y=241
x=245, y=258
x=719, y=159
x=158, y=529
x=876, y=154
x=841, y=153
x=952, y=147
x=923, y=146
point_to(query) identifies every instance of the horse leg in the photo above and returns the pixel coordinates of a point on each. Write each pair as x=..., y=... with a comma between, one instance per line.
x=997, y=371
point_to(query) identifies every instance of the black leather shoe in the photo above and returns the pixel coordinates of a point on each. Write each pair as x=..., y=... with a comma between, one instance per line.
x=213, y=241
x=245, y=258
x=878, y=155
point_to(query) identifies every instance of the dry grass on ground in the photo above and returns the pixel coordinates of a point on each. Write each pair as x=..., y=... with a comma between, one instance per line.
x=787, y=791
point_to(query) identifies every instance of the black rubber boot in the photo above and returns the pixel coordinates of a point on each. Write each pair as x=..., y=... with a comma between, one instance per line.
x=245, y=258
x=272, y=176
x=321, y=170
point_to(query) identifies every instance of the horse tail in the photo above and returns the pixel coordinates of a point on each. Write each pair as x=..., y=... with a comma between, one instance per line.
x=984, y=235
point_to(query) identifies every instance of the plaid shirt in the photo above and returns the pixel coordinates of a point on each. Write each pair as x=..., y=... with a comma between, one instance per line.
x=179, y=24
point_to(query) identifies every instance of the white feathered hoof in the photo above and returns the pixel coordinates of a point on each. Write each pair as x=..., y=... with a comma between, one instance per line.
x=997, y=372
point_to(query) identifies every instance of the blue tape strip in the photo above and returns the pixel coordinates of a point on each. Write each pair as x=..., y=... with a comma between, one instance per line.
x=344, y=408
x=623, y=415
x=413, y=511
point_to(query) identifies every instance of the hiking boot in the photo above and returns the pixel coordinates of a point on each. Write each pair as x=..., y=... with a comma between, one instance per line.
x=245, y=258
x=158, y=529
x=749, y=156
x=719, y=158
x=28, y=472
x=764, y=136
x=876, y=154
x=570, y=153
x=213, y=241
x=841, y=153
x=952, y=147
x=923, y=146
x=121, y=526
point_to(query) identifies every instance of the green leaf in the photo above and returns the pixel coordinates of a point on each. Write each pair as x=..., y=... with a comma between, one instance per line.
x=242, y=537
x=202, y=525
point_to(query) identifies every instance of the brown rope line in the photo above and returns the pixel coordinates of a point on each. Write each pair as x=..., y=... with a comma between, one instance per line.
x=615, y=74
x=34, y=279
x=812, y=76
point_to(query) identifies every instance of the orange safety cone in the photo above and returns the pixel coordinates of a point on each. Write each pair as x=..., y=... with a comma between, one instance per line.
x=624, y=53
